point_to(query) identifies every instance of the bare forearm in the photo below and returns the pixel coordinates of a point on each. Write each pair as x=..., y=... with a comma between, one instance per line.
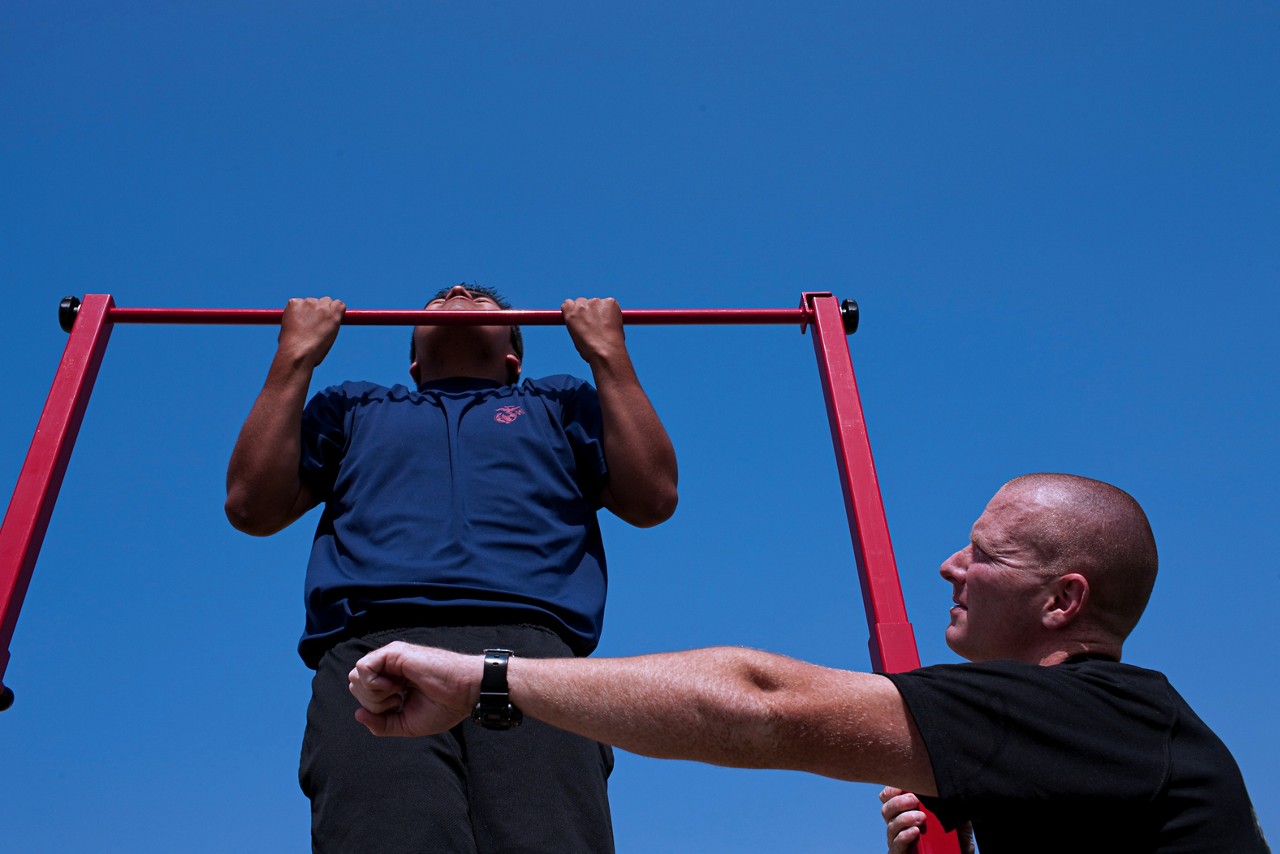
x=703, y=705
x=693, y=705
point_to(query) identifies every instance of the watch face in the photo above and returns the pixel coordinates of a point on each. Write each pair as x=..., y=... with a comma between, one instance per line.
x=505, y=716
x=495, y=710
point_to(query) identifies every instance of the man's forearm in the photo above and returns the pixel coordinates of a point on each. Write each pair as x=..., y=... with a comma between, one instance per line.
x=705, y=705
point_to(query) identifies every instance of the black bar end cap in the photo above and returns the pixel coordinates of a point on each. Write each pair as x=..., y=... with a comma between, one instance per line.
x=849, y=312
x=67, y=311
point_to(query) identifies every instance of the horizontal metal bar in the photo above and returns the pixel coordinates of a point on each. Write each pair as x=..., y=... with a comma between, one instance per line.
x=370, y=317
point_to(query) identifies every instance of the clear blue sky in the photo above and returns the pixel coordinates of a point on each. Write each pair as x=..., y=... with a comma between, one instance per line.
x=1061, y=222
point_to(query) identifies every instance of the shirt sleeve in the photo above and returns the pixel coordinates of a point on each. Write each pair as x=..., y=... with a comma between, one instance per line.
x=1007, y=736
x=583, y=424
x=324, y=434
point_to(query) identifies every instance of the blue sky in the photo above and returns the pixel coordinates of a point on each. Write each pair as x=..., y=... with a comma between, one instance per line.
x=1060, y=221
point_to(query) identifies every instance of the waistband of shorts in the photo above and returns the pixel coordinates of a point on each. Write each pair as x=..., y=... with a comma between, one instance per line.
x=391, y=617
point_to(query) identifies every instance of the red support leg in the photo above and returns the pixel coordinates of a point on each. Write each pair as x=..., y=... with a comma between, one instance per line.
x=892, y=643
x=37, y=489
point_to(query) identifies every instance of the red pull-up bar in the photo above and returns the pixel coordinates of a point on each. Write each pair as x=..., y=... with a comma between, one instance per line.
x=892, y=642
x=69, y=309
x=508, y=317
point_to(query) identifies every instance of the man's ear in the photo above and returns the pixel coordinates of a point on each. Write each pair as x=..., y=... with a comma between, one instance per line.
x=1070, y=595
x=415, y=372
x=513, y=367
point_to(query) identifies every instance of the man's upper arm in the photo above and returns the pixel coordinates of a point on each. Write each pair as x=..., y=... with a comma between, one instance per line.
x=320, y=437
x=275, y=456
x=305, y=501
x=856, y=726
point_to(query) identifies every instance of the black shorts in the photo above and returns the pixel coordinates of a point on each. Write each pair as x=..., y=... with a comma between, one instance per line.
x=533, y=788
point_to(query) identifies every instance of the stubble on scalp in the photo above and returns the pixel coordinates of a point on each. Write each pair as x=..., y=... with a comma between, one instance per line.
x=1098, y=530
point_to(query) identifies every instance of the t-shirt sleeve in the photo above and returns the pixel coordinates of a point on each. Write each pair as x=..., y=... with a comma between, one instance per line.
x=583, y=424
x=323, y=440
x=1005, y=736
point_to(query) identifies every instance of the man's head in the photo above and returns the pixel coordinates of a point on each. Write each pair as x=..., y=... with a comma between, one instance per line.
x=1056, y=563
x=436, y=351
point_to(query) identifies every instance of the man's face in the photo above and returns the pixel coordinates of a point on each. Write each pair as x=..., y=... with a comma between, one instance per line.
x=434, y=344
x=458, y=298
x=998, y=582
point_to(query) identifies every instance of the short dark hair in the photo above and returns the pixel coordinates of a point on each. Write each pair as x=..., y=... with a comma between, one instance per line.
x=517, y=339
x=1090, y=526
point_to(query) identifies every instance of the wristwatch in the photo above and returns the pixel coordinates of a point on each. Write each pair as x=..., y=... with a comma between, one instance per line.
x=495, y=711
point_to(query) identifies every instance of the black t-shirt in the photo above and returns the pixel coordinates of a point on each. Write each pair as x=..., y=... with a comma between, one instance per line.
x=1088, y=755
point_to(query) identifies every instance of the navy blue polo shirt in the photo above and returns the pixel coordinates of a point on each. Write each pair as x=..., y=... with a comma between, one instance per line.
x=462, y=495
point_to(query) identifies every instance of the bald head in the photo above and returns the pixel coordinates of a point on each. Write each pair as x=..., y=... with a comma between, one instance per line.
x=1097, y=530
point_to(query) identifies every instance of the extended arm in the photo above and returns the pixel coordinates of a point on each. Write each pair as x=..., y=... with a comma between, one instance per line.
x=642, y=463
x=725, y=706
x=264, y=490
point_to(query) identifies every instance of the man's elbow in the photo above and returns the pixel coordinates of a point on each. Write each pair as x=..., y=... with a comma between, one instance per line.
x=656, y=509
x=247, y=519
x=665, y=507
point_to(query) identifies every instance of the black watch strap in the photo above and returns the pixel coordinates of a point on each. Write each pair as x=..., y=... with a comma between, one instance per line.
x=495, y=711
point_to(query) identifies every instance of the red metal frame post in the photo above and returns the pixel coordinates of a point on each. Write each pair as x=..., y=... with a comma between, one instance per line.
x=892, y=642
x=34, y=495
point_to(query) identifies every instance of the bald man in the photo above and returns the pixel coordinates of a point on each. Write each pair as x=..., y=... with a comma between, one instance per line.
x=1044, y=742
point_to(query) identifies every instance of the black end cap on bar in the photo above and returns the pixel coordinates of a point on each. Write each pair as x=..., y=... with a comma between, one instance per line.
x=67, y=311
x=848, y=311
x=6, y=698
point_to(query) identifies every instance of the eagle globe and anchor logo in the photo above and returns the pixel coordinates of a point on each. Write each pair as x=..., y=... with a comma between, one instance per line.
x=507, y=414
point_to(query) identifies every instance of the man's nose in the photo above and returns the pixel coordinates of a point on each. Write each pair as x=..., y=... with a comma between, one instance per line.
x=954, y=566
x=458, y=291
